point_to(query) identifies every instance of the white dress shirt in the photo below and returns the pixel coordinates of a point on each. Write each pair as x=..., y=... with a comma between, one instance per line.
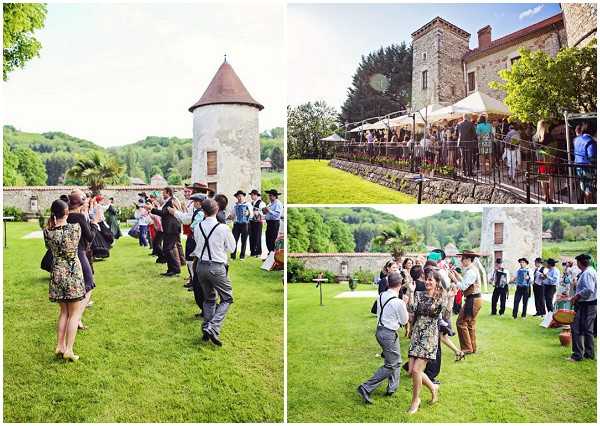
x=221, y=242
x=470, y=277
x=394, y=314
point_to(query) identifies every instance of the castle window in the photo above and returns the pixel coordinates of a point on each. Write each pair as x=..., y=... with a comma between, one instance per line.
x=498, y=233
x=497, y=255
x=424, y=56
x=212, y=186
x=471, y=81
x=424, y=80
x=211, y=163
x=453, y=90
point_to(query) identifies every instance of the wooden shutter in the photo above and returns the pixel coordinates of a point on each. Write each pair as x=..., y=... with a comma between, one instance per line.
x=211, y=163
x=497, y=255
x=471, y=79
x=498, y=233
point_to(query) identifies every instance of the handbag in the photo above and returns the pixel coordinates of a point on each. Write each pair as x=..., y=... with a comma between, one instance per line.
x=134, y=231
x=47, y=261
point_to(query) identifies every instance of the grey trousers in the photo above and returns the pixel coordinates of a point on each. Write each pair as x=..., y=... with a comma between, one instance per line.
x=214, y=281
x=582, y=331
x=388, y=340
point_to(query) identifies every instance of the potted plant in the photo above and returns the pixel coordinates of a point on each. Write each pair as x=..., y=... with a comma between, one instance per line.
x=352, y=283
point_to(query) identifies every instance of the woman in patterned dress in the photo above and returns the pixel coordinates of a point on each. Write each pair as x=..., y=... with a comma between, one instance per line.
x=425, y=308
x=66, y=287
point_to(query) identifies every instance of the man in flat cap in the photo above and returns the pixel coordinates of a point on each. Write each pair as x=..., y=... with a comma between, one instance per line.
x=582, y=329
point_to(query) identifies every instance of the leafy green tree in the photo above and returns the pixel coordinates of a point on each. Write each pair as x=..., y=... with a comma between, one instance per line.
x=558, y=230
x=298, y=239
x=31, y=167
x=20, y=22
x=174, y=177
x=399, y=239
x=539, y=86
x=363, y=235
x=277, y=158
x=381, y=84
x=97, y=171
x=307, y=125
x=341, y=236
x=11, y=165
x=319, y=233
x=57, y=165
x=155, y=170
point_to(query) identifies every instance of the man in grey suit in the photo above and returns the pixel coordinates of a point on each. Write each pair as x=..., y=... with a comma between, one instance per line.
x=467, y=143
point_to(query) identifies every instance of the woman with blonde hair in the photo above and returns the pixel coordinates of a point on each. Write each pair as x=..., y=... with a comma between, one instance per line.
x=542, y=142
x=66, y=286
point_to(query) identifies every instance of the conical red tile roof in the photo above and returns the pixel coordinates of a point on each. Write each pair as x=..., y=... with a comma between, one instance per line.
x=226, y=88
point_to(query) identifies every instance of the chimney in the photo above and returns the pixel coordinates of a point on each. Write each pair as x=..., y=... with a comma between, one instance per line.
x=484, y=36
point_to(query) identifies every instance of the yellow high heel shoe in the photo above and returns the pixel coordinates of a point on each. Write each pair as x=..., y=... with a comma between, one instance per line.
x=70, y=356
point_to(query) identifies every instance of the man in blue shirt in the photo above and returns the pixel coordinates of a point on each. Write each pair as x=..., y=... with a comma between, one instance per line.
x=523, y=281
x=584, y=150
x=273, y=212
x=241, y=218
x=582, y=329
x=550, y=279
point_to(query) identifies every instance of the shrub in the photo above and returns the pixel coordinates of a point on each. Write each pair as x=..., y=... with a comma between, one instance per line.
x=18, y=214
x=298, y=273
x=126, y=213
x=363, y=277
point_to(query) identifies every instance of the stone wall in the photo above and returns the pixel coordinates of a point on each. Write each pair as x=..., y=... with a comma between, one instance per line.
x=443, y=49
x=435, y=190
x=232, y=131
x=124, y=196
x=486, y=68
x=521, y=236
x=580, y=22
x=332, y=262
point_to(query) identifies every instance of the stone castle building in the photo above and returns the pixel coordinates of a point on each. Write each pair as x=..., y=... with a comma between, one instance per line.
x=225, y=144
x=445, y=69
x=510, y=233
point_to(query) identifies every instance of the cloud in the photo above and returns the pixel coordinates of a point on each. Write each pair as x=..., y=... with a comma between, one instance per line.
x=530, y=12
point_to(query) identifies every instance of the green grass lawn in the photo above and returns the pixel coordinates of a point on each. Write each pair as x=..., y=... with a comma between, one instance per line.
x=142, y=359
x=272, y=180
x=570, y=248
x=518, y=375
x=314, y=182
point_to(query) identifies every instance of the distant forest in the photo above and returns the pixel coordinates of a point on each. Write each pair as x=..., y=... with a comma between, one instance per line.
x=364, y=229
x=44, y=158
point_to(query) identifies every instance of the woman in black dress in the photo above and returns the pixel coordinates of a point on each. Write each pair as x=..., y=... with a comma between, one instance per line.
x=66, y=277
x=78, y=208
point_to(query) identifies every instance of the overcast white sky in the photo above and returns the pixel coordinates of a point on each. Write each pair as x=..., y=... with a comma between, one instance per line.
x=408, y=212
x=116, y=73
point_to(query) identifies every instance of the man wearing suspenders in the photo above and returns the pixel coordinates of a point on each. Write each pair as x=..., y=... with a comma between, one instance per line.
x=391, y=314
x=214, y=242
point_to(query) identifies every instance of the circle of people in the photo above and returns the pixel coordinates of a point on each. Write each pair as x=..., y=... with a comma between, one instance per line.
x=82, y=228
x=422, y=295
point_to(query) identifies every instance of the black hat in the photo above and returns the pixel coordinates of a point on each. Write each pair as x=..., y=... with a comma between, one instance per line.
x=523, y=260
x=255, y=192
x=551, y=262
x=198, y=197
x=273, y=192
x=498, y=261
x=239, y=192
x=538, y=260
x=583, y=257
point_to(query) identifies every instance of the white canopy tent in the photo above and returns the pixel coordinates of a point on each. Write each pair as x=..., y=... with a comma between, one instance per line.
x=420, y=116
x=333, y=138
x=475, y=103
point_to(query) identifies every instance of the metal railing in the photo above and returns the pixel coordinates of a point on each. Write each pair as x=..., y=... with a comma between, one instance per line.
x=533, y=172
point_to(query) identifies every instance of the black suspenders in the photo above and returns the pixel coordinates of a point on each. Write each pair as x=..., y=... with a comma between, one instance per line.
x=382, y=307
x=206, y=238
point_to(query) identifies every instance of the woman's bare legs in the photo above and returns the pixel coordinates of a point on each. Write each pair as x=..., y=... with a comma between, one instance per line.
x=84, y=304
x=416, y=366
x=61, y=328
x=446, y=340
x=73, y=311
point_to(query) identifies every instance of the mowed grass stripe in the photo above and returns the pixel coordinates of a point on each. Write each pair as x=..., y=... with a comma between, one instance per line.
x=315, y=182
x=142, y=359
x=519, y=375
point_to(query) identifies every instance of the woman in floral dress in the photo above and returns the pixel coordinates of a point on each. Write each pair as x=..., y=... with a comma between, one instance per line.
x=425, y=308
x=66, y=287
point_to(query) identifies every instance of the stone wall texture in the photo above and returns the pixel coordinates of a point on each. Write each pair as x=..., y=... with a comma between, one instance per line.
x=580, y=22
x=124, y=196
x=332, y=262
x=231, y=131
x=522, y=234
x=443, y=50
x=435, y=190
x=487, y=67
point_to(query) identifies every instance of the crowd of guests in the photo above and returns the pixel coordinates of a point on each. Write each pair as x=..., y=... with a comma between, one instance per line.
x=422, y=294
x=478, y=145
x=81, y=229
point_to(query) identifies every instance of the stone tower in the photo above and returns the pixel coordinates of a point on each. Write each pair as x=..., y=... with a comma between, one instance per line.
x=511, y=233
x=226, y=146
x=438, y=50
x=580, y=22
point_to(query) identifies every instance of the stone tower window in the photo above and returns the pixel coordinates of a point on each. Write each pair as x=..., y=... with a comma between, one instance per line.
x=424, y=56
x=498, y=233
x=471, y=81
x=424, y=80
x=497, y=255
x=453, y=90
x=211, y=163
